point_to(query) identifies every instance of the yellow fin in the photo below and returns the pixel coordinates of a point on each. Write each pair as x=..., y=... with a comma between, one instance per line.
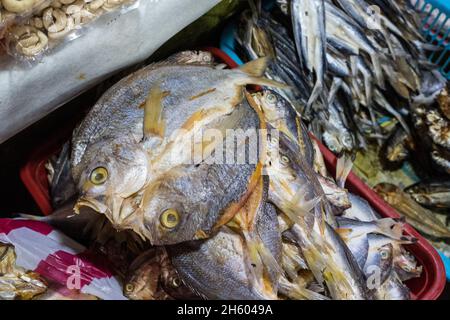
x=256, y=68
x=261, y=81
x=153, y=122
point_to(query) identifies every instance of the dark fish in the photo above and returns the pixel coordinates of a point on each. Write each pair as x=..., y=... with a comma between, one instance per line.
x=62, y=186
x=396, y=149
x=434, y=195
x=420, y=218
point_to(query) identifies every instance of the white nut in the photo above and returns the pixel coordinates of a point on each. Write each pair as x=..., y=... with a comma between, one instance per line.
x=54, y=20
x=29, y=40
x=95, y=5
x=18, y=6
x=62, y=33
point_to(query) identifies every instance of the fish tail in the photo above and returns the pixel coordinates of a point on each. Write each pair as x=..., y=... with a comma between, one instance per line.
x=298, y=292
x=268, y=259
x=316, y=93
x=253, y=262
x=343, y=168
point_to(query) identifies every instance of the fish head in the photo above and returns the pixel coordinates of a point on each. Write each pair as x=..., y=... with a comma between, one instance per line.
x=190, y=202
x=273, y=104
x=109, y=177
x=421, y=198
x=175, y=212
x=406, y=265
x=143, y=275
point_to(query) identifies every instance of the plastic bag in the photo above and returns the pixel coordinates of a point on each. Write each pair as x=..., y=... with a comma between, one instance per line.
x=66, y=265
x=57, y=22
x=28, y=94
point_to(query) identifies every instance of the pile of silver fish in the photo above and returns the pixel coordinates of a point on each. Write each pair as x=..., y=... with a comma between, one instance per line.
x=359, y=74
x=219, y=193
x=360, y=78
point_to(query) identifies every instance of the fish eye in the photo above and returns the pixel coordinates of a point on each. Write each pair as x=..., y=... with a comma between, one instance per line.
x=272, y=140
x=271, y=98
x=129, y=287
x=407, y=268
x=420, y=198
x=285, y=160
x=384, y=254
x=170, y=218
x=175, y=283
x=99, y=176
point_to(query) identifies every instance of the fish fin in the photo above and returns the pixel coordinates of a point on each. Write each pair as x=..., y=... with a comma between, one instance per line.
x=268, y=259
x=316, y=92
x=343, y=168
x=316, y=287
x=343, y=232
x=268, y=83
x=32, y=217
x=253, y=261
x=298, y=292
x=256, y=68
x=335, y=86
x=153, y=122
x=391, y=228
x=298, y=206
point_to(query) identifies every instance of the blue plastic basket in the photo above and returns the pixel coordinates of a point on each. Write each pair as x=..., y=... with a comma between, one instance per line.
x=436, y=29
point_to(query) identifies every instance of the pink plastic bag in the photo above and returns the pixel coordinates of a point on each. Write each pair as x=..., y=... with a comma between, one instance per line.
x=63, y=262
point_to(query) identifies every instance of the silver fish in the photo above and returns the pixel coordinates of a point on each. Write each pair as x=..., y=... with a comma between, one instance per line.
x=308, y=18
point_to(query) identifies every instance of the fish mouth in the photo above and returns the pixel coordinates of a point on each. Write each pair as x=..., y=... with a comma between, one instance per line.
x=118, y=213
x=95, y=205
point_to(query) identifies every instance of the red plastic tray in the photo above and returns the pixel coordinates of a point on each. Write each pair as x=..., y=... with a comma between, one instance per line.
x=428, y=287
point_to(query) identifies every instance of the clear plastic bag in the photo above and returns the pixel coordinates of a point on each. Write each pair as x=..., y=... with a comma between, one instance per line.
x=115, y=41
x=56, y=22
x=14, y=12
